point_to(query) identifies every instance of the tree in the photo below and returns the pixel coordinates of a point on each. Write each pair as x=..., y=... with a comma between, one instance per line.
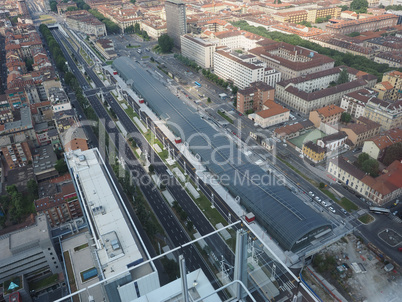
x=362, y=158
x=322, y=185
x=354, y=34
x=151, y=169
x=137, y=28
x=359, y=6
x=32, y=187
x=132, y=1
x=346, y=117
x=165, y=43
x=371, y=166
x=53, y=6
x=343, y=77
x=72, y=8
x=393, y=153
x=344, y=7
x=129, y=29
x=61, y=166
x=209, y=100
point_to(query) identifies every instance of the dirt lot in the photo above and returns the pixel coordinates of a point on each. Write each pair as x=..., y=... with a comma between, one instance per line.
x=372, y=285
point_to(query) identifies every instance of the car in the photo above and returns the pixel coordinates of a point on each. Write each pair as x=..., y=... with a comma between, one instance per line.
x=324, y=203
x=311, y=194
x=344, y=211
x=332, y=209
x=362, y=199
x=317, y=198
x=395, y=213
x=343, y=222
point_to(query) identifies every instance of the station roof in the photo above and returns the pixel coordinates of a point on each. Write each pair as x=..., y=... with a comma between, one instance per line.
x=284, y=215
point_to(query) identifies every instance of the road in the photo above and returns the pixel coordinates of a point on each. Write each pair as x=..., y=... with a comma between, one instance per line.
x=169, y=222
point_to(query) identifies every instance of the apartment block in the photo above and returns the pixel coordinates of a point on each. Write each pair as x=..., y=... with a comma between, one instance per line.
x=17, y=155
x=310, y=15
x=243, y=70
x=292, y=61
x=106, y=48
x=236, y=39
x=361, y=131
x=395, y=79
x=60, y=207
x=384, y=90
x=330, y=115
x=361, y=25
x=254, y=96
x=379, y=190
x=388, y=114
x=333, y=142
x=355, y=102
x=176, y=20
x=28, y=251
x=154, y=28
x=85, y=22
x=313, y=91
x=377, y=146
x=391, y=58
x=271, y=114
x=199, y=50
x=313, y=152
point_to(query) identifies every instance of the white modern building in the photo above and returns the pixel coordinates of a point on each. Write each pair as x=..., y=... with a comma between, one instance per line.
x=28, y=252
x=355, y=102
x=199, y=50
x=117, y=244
x=243, y=70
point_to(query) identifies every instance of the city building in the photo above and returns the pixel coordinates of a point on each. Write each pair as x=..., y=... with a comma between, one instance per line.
x=242, y=70
x=29, y=252
x=391, y=58
x=85, y=22
x=313, y=152
x=198, y=50
x=292, y=61
x=376, y=146
x=330, y=115
x=17, y=155
x=60, y=207
x=154, y=28
x=362, y=130
x=355, y=102
x=22, y=8
x=360, y=25
x=310, y=15
x=176, y=21
x=290, y=131
x=58, y=99
x=395, y=79
x=379, y=190
x=388, y=114
x=333, y=142
x=73, y=139
x=316, y=90
x=384, y=90
x=116, y=244
x=106, y=48
x=271, y=114
x=253, y=97
x=44, y=160
x=62, y=6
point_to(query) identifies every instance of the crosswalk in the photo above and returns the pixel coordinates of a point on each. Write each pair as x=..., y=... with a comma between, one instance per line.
x=288, y=286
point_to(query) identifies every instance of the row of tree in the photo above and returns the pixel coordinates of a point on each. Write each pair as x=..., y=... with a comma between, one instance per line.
x=357, y=62
x=54, y=48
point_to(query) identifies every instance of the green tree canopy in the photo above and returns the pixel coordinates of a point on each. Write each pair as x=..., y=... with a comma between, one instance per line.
x=371, y=166
x=165, y=43
x=343, y=77
x=61, y=166
x=346, y=117
x=359, y=6
x=362, y=158
x=393, y=153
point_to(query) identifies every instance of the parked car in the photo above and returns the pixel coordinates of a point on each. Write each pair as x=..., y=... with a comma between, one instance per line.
x=344, y=211
x=332, y=209
x=324, y=203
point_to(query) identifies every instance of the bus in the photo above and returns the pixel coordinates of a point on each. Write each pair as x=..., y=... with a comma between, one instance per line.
x=198, y=84
x=378, y=210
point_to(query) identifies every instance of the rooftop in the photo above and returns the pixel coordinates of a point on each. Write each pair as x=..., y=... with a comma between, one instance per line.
x=314, y=147
x=330, y=110
x=100, y=197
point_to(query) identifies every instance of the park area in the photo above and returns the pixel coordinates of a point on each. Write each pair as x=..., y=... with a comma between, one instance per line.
x=308, y=136
x=47, y=19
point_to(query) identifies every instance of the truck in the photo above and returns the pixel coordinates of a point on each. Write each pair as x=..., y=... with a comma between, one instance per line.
x=115, y=72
